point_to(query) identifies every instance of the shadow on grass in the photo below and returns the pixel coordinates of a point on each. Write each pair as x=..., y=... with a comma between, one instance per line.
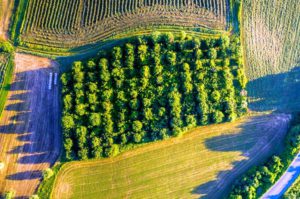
x=278, y=92
x=254, y=143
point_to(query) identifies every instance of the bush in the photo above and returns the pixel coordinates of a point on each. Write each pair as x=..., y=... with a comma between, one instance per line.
x=48, y=173
x=6, y=47
x=112, y=151
x=10, y=194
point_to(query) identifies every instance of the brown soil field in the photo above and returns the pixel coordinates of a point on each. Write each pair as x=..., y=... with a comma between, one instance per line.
x=30, y=137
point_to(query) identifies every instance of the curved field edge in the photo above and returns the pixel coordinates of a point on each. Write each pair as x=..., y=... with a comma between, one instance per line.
x=74, y=28
x=120, y=38
x=242, y=155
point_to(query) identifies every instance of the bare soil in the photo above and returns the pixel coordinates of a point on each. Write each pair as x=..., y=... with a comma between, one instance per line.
x=29, y=127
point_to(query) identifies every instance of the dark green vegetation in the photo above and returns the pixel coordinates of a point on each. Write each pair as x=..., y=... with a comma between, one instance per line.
x=149, y=89
x=17, y=17
x=6, y=70
x=259, y=179
x=294, y=191
x=47, y=183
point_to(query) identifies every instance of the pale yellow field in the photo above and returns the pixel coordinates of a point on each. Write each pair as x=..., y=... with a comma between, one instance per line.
x=204, y=162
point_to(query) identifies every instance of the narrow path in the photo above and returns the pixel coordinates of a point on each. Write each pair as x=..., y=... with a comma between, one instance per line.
x=286, y=180
x=30, y=136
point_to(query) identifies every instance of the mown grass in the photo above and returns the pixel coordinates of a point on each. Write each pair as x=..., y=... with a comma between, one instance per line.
x=272, y=50
x=204, y=161
x=93, y=48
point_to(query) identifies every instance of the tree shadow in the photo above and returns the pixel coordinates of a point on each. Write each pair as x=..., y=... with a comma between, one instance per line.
x=35, y=121
x=260, y=144
x=278, y=92
x=27, y=175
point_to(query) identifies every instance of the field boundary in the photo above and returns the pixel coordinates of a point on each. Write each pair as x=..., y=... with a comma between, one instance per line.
x=122, y=37
x=8, y=75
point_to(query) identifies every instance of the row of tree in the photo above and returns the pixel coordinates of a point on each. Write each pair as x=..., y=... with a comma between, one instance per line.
x=148, y=89
x=259, y=179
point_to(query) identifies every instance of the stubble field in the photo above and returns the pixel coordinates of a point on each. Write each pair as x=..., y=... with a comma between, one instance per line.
x=204, y=162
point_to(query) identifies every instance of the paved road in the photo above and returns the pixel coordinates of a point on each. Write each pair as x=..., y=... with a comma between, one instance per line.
x=286, y=180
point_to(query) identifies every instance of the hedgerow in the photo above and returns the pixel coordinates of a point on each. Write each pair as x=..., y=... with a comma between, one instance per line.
x=260, y=178
x=148, y=89
x=6, y=70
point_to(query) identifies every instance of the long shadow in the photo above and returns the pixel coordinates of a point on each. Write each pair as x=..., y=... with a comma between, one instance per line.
x=27, y=175
x=278, y=92
x=253, y=152
x=35, y=126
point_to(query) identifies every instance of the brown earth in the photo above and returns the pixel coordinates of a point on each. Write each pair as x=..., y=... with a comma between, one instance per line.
x=29, y=127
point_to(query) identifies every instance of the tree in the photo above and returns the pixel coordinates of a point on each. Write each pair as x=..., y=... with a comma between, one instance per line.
x=218, y=116
x=47, y=173
x=96, y=147
x=68, y=144
x=137, y=126
x=10, y=194
x=68, y=122
x=95, y=119
x=182, y=35
x=5, y=46
x=154, y=37
x=212, y=53
x=112, y=151
x=171, y=58
x=91, y=65
x=34, y=197
x=137, y=137
x=167, y=38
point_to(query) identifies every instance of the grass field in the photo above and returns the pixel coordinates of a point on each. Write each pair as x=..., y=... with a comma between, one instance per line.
x=204, y=162
x=272, y=50
x=82, y=22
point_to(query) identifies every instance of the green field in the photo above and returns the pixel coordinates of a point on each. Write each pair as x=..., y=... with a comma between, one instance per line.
x=203, y=162
x=272, y=50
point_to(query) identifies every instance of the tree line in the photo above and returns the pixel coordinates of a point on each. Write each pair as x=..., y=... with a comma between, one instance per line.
x=148, y=89
x=259, y=179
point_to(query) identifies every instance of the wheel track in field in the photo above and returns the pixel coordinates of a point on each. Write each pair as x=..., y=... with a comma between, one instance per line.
x=30, y=137
x=269, y=125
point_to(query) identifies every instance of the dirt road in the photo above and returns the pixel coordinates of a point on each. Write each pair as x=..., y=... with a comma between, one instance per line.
x=285, y=181
x=29, y=127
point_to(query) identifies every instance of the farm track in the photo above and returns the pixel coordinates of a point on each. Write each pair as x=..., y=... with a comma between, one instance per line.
x=30, y=137
x=202, y=163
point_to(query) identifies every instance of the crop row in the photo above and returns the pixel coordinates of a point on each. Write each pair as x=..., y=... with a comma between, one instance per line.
x=79, y=22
